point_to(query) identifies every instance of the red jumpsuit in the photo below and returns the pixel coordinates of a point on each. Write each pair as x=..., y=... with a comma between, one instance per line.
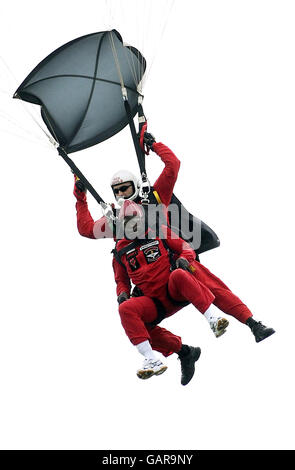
x=164, y=187
x=148, y=267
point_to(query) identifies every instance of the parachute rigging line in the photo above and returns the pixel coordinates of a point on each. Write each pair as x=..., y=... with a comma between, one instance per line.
x=12, y=76
x=145, y=187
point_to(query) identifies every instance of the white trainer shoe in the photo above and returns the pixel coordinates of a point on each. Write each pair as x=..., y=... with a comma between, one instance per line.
x=218, y=326
x=151, y=367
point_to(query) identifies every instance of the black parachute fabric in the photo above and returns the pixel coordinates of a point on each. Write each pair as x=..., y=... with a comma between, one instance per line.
x=206, y=238
x=79, y=89
x=188, y=227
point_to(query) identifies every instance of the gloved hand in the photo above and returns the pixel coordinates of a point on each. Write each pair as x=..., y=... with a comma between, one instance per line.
x=109, y=212
x=183, y=263
x=137, y=292
x=79, y=190
x=149, y=140
x=122, y=297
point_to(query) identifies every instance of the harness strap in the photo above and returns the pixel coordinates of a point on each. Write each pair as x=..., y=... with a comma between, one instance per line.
x=131, y=246
x=117, y=257
x=118, y=254
x=139, y=152
x=80, y=175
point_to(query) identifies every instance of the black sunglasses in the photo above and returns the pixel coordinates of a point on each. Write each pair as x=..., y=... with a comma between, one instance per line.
x=122, y=189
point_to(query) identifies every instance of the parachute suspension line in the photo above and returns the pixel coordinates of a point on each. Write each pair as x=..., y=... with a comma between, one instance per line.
x=135, y=73
x=49, y=137
x=113, y=12
x=117, y=63
x=128, y=54
x=162, y=32
x=140, y=46
x=145, y=186
x=144, y=20
x=28, y=135
x=117, y=12
x=146, y=31
x=52, y=140
x=108, y=14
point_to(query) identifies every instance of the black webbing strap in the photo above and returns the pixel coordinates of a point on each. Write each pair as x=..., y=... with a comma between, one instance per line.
x=117, y=257
x=80, y=175
x=139, y=152
x=141, y=118
x=118, y=254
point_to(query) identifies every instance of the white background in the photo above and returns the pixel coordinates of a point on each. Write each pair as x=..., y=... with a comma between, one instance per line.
x=221, y=96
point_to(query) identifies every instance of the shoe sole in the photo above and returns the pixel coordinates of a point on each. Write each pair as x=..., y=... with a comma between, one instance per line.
x=266, y=336
x=221, y=327
x=146, y=374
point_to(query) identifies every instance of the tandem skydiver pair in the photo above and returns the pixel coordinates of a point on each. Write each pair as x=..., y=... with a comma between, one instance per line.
x=90, y=89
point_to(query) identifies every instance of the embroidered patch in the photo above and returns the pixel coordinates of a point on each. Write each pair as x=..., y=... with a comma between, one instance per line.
x=151, y=254
x=156, y=242
x=132, y=260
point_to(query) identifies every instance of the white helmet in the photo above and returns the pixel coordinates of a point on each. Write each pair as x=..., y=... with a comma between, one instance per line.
x=125, y=176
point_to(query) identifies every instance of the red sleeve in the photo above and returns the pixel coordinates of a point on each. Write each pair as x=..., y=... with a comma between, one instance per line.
x=121, y=278
x=179, y=246
x=167, y=179
x=85, y=222
x=86, y=225
x=102, y=228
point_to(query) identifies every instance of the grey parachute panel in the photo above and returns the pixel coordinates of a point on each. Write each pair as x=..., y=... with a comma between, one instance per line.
x=79, y=89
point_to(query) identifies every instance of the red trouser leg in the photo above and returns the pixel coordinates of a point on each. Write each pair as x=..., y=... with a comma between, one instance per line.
x=225, y=300
x=183, y=286
x=138, y=311
x=164, y=341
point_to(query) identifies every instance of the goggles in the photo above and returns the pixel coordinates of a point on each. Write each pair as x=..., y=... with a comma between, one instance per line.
x=122, y=189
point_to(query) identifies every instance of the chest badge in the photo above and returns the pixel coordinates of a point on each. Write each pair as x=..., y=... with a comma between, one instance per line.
x=133, y=261
x=152, y=254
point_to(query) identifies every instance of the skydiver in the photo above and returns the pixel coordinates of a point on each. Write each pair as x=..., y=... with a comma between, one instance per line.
x=164, y=292
x=125, y=186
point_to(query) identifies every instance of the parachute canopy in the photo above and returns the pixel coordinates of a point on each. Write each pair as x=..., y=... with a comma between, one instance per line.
x=79, y=88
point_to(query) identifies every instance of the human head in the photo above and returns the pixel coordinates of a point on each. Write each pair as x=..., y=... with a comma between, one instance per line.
x=128, y=182
x=132, y=216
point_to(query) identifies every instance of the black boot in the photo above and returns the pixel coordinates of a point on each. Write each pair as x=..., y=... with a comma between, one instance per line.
x=188, y=355
x=259, y=330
